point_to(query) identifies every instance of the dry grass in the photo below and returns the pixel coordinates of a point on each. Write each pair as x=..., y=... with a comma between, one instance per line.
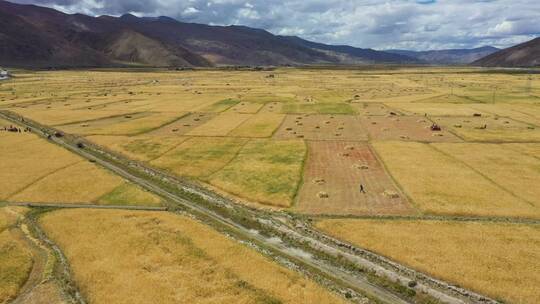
x=83, y=182
x=442, y=185
x=264, y=171
x=199, y=157
x=500, y=260
x=260, y=125
x=148, y=257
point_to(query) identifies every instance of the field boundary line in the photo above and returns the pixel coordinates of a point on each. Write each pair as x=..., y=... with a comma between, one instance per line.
x=398, y=186
x=44, y=177
x=83, y=206
x=302, y=173
x=157, y=127
x=95, y=119
x=442, y=218
x=477, y=171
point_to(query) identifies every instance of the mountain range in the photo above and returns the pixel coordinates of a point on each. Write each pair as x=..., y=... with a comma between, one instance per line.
x=39, y=37
x=42, y=37
x=451, y=56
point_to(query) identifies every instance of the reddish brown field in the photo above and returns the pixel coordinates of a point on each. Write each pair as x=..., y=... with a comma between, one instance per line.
x=336, y=169
x=414, y=128
x=322, y=127
x=184, y=124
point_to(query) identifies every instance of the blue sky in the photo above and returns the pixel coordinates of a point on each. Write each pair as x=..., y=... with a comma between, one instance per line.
x=403, y=24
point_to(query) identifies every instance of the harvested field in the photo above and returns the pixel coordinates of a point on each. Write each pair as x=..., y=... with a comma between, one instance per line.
x=183, y=125
x=352, y=164
x=317, y=108
x=509, y=169
x=272, y=107
x=259, y=125
x=443, y=185
x=438, y=109
x=484, y=257
x=131, y=124
x=374, y=109
x=490, y=129
x=82, y=182
x=141, y=147
x=199, y=157
x=322, y=127
x=150, y=257
x=405, y=128
x=220, y=125
x=264, y=171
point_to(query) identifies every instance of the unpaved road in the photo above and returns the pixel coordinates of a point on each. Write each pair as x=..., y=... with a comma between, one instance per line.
x=341, y=278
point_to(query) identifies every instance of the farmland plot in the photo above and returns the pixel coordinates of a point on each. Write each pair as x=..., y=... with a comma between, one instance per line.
x=184, y=124
x=483, y=256
x=322, y=127
x=141, y=147
x=490, y=129
x=443, y=185
x=199, y=157
x=259, y=125
x=405, y=128
x=264, y=171
x=332, y=178
x=149, y=257
x=220, y=125
x=509, y=169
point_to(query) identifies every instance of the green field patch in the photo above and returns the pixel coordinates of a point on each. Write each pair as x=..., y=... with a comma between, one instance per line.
x=129, y=195
x=221, y=105
x=200, y=157
x=265, y=171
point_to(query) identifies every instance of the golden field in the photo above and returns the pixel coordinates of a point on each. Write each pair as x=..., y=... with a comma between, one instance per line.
x=15, y=256
x=194, y=123
x=444, y=185
x=142, y=257
x=497, y=259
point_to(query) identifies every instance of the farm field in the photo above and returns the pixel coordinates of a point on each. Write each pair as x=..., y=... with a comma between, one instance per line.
x=473, y=255
x=444, y=185
x=335, y=188
x=461, y=145
x=142, y=257
x=33, y=170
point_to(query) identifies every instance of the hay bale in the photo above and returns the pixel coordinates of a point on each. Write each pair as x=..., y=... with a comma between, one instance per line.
x=349, y=147
x=288, y=129
x=319, y=181
x=390, y=194
x=457, y=126
x=327, y=122
x=361, y=166
x=404, y=137
x=322, y=194
x=344, y=154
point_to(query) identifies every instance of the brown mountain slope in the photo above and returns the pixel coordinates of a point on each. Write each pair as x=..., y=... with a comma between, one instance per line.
x=522, y=55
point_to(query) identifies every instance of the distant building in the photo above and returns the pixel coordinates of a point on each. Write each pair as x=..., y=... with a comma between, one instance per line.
x=3, y=74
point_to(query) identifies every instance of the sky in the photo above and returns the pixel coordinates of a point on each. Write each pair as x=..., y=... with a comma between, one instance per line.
x=378, y=24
